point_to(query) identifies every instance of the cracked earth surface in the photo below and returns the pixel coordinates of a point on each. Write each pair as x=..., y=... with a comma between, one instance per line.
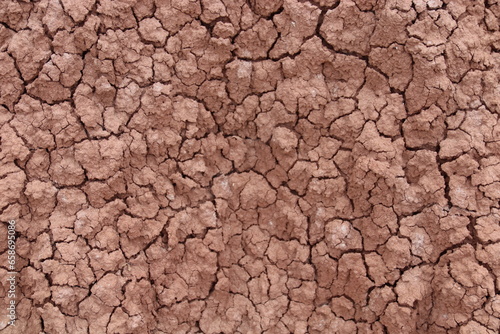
x=231, y=166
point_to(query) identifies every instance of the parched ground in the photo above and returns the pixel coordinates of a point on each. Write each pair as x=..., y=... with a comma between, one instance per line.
x=231, y=166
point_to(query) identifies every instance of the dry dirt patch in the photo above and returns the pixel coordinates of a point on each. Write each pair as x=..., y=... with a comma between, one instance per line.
x=231, y=166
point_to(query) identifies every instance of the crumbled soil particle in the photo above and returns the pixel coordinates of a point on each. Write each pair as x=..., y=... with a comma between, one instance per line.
x=216, y=166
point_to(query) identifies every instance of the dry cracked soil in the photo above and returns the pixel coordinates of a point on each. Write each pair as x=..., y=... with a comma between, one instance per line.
x=232, y=166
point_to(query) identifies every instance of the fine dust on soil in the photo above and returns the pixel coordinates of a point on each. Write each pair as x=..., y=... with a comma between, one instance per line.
x=232, y=166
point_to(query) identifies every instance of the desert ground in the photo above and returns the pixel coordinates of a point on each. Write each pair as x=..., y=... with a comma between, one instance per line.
x=233, y=166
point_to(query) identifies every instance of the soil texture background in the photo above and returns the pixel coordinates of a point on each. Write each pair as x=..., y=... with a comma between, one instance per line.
x=232, y=166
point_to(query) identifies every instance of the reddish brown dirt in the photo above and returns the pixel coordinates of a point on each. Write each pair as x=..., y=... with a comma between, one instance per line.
x=232, y=166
